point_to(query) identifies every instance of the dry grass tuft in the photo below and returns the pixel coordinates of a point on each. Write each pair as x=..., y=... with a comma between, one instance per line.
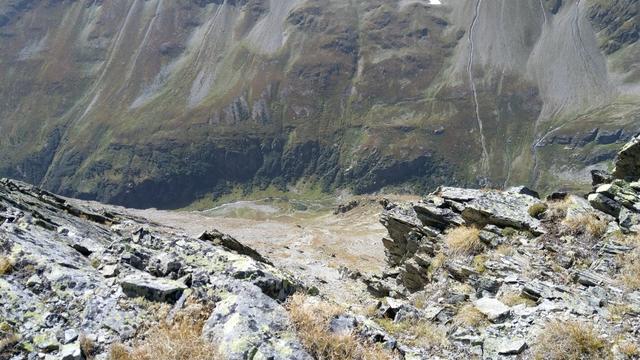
x=571, y=340
x=416, y=333
x=6, y=265
x=311, y=320
x=464, y=240
x=87, y=346
x=630, y=271
x=468, y=315
x=586, y=224
x=505, y=250
x=513, y=298
x=7, y=344
x=629, y=349
x=558, y=209
x=180, y=340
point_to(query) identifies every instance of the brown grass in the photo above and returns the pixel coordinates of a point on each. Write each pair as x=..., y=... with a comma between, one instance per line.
x=419, y=333
x=7, y=343
x=468, y=315
x=87, y=346
x=311, y=321
x=586, y=224
x=464, y=240
x=630, y=271
x=513, y=298
x=558, y=209
x=180, y=340
x=505, y=250
x=570, y=340
x=629, y=349
x=6, y=265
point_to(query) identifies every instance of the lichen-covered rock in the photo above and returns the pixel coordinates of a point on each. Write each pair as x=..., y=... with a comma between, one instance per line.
x=78, y=270
x=503, y=209
x=249, y=324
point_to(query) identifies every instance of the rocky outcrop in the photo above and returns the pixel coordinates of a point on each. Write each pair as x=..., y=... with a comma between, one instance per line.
x=492, y=268
x=627, y=163
x=618, y=194
x=79, y=271
x=416, y=230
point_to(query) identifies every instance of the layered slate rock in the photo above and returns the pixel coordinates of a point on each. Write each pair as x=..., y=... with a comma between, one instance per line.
x=416, y=230
x=619, y=195
x=81, y=269
x=627, y=163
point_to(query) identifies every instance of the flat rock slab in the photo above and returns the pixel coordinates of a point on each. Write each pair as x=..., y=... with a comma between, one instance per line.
x=154, y=289
x=503, y=209
x=493, y=309
x=512, y=347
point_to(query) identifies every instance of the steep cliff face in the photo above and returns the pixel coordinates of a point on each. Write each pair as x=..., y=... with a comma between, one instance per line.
x=158, y=102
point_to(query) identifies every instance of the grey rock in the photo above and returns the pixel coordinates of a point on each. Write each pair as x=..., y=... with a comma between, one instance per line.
x=512, y=347
x=232, y=244
x=441, y=218
x=493, y=309
x=524, y=191
x=154, y=289
x=627, y=163
x=249, y=324
x=109, y=271
x=343, y=324
x=71, y=352
x=599, y=177
x=503, y=209
x=604, y=204
x=70, y=335
x=458, y=194
x=163, y=264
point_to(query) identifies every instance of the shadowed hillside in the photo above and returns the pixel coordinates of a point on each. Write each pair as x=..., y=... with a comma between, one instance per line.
x=157, y=103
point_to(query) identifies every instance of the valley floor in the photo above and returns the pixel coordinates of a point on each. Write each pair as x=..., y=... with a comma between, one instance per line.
x=321, y=247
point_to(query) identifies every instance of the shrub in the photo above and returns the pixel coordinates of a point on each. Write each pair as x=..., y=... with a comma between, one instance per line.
x=478, y=263
x=537, y=209
x=180, y=340
x=570, y=340
x=464, y=240
x=509, y=232
x=311, y=321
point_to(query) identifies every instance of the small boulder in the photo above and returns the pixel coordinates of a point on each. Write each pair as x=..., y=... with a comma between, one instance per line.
x=71, y=352
x=492, y=308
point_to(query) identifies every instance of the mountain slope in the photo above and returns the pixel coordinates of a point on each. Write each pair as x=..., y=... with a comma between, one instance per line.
x=155, y=103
